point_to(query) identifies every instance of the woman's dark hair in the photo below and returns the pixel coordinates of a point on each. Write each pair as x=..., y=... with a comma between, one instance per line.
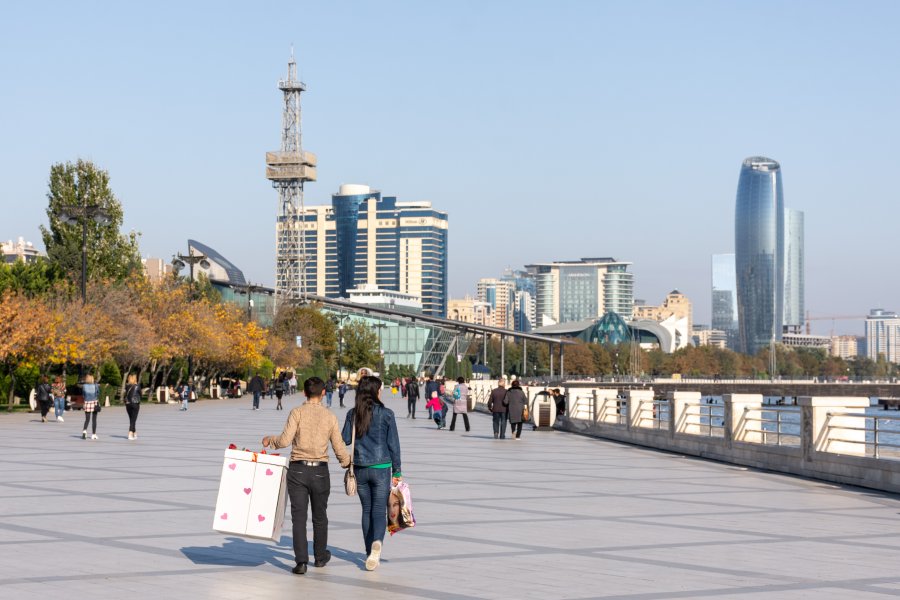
x=460, y=380
x=366, y=398
x=516, y=383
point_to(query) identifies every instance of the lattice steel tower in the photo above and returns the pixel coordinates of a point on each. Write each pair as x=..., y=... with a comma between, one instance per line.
x=288, y=169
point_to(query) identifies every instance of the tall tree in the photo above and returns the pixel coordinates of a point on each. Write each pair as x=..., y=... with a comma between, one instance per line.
x=83, y=187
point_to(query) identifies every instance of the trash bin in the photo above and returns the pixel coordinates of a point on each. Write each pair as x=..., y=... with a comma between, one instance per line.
x=543, y=411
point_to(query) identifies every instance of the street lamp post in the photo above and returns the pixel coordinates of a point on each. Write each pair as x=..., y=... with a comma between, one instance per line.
x=73, y=214
x=249, y=288
x=339, y=321
x=178, y=262
x=379, y=327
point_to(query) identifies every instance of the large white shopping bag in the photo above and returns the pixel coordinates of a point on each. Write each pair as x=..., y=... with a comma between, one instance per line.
x=252, y=495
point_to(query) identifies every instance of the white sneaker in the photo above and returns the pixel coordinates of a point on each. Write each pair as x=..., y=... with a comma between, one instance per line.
x=375, y=557
x=94, y=436
x=60, y=420
x=130, y=436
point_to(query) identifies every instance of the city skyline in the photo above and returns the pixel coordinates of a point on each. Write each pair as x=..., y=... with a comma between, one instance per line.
x=622, y=90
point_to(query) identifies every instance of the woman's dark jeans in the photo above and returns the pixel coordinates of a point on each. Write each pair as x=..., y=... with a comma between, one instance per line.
x=132, y=409
x=373, y=487
x=515, y=429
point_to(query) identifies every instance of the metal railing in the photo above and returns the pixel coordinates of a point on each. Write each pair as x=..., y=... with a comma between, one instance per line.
x=708, y=417
x=782, y=430
x=660, y=413
x=873, y=436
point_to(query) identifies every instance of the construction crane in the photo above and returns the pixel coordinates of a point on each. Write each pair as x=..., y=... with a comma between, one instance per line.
x=831, y=318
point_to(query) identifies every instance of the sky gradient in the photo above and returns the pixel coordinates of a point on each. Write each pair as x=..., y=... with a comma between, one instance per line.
x=548, y=130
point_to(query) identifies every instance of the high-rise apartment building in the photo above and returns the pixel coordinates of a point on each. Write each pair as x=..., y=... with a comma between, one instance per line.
x=794, y=279
x=724, y=297
x=576, y=290
x=523, y=299
x=366, y=239
x=500, y=295
x=883, y=335
x=844, y=346
x=759, y=253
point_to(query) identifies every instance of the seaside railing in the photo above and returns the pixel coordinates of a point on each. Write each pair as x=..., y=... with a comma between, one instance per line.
x=877, y=435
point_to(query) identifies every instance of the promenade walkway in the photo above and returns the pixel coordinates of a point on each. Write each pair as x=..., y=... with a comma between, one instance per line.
x=554, y=515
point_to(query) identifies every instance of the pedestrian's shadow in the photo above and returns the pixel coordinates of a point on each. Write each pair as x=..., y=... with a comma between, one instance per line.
x=238, y=552
x=357, y=558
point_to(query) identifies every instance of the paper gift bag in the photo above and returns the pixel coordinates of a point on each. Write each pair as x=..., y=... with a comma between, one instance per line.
x=252, y=495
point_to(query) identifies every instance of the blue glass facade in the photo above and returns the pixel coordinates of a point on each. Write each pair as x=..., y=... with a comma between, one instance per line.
x=759, y=253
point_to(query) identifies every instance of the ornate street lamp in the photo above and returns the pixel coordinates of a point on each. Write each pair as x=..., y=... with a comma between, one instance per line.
x=179, y=261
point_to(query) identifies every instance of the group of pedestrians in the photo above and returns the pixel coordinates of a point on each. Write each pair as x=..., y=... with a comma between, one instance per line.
x=284, y=383
x=507, y=405
x=54, y=395
x=371, y=429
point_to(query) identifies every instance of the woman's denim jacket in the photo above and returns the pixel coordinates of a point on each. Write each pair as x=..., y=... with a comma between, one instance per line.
x=380, y=445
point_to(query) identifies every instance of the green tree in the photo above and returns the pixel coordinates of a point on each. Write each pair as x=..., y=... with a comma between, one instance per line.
x=110, y=254
x=31, y=279
x=360, y=346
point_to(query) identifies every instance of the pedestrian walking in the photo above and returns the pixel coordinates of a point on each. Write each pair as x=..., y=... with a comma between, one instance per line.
x=132, y=404
x=342, y=389
x=58, y=389
x=431, y=387
x=91, y=393
x=412, y=396
x=184, y=391
x=516, y=401
x=309, y=429
x=279, y=391
x=329, y=391
x=256, y=386
x=372, y=428
x=44, y=396
x=293, y=384
x=438, y=410
x=460, y=403
x=498, y=406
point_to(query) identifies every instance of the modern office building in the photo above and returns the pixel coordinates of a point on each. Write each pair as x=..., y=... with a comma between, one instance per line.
x=759, y=253
x=724, y=298
x=365, y=238
x=500, y=295
x=20, y=250
x=372, y=295
x=524, y=295
x=883, y=335
x=570, y=291
x=794, y=279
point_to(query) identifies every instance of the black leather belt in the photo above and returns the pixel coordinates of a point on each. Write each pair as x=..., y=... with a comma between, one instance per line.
x=310, y=463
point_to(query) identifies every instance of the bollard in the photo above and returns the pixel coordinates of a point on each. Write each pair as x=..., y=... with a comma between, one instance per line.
x=106, y=404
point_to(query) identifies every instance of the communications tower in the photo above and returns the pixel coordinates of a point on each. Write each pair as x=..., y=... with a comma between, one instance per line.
x=288, y=169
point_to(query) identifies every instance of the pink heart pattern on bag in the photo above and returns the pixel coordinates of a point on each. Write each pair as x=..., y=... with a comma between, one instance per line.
x=247, y=491
x=232, y=466
x=270, y=472
x=261, y=518
x=224, y=516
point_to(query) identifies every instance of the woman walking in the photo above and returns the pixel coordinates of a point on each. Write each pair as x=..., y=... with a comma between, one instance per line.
x=44, y=397
x=132, y=404
x=460, y=403
x=91, y=392
x=372, y=429
x=58, y=389
x=516, y=402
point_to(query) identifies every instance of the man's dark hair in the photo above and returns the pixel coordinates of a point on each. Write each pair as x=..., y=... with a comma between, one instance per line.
x=313, y=387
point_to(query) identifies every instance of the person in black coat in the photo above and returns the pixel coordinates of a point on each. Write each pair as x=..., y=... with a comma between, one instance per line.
x=412, y=396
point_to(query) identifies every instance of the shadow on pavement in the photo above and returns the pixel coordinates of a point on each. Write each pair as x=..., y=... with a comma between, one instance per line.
x=239, y=552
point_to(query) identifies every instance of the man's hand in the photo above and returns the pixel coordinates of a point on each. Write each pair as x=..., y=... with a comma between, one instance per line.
x=265, y=441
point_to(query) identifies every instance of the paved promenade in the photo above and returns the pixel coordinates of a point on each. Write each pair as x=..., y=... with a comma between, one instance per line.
x=554, y=515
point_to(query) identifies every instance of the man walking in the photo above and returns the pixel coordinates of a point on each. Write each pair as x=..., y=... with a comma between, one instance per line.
x=256, y=386
x=412, y=396
x=329, y=391
x=342, y=390
x=309, y=429
x=497, y=404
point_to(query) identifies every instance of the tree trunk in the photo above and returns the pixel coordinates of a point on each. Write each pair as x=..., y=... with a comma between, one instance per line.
x=124, y=381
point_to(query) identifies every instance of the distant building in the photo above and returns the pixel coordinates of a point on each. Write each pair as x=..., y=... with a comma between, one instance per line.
x=704, y=336
x=258, y=301
x=20, y=250
x=794, y=270
x=372, y=295
x=500, y=295
x=844, y=346
x=470, y=310
x=524, y=299
x=365, y=238
x=569, y=291
x=724, y=298
x=156, y=269
x=675, y=305
x=883, y=335
x=802, y=340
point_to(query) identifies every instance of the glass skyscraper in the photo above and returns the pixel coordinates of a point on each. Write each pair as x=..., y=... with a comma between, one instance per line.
x=793, y=269
x=759, y=253
x=724, y=297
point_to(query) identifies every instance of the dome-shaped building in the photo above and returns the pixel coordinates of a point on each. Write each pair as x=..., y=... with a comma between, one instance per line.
x=609, y=329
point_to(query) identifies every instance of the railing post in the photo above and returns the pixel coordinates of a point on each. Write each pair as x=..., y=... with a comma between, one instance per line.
x=821, y=433
x=594, y=406
x=684, y=421
x=635, y=408
x=737, y=408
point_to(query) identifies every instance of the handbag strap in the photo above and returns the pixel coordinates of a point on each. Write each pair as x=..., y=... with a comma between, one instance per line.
x=352, y=441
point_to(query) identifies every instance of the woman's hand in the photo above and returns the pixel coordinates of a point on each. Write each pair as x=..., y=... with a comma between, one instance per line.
x=396, y=480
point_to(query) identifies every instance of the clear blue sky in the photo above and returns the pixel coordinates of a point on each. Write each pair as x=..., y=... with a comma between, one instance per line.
x=548, y=130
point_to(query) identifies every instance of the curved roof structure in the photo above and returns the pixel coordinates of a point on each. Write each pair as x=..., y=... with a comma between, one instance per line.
x=610, y=329
x=222, y=269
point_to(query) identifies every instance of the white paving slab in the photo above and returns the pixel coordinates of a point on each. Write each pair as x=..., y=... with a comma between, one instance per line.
x=554, y=515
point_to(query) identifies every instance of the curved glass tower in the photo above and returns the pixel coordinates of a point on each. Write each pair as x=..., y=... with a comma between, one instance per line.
x=759, y=253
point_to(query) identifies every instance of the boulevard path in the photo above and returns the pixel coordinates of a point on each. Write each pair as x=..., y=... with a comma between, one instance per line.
x=554, y=515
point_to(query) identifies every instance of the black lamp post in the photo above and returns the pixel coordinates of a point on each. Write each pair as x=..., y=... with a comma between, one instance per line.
x=178, y=263
x=380, y=326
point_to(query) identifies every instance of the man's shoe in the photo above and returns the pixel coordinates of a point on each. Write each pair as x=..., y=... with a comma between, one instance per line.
x=374, y=557
x=323, y=562
x=300, y=569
